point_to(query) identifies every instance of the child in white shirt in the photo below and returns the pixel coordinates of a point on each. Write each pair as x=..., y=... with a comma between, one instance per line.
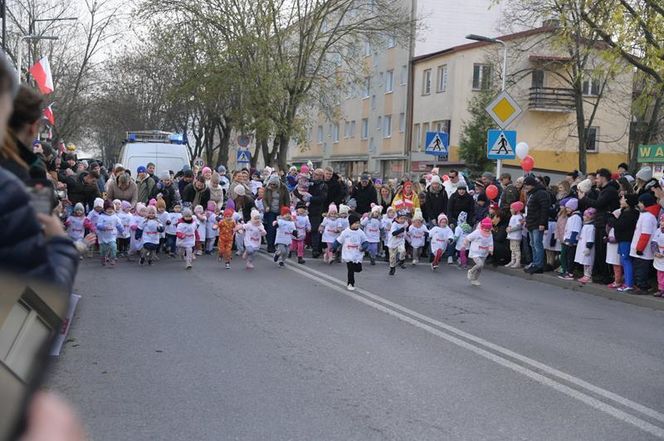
x=462, y=230
x=108, y=226
x=372, y=226
x=286, y=230
x=441, y=237
x=353, y=243
x=171, y=226
x=330, y=230
x=396, y=241
x=253, y=232
x=303, y=226
x=417, y=235
x=585, y=251
x=479, y=244
x=514, y=234
x=185, y=233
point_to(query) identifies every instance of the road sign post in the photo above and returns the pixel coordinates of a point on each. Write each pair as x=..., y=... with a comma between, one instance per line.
x=504, y=110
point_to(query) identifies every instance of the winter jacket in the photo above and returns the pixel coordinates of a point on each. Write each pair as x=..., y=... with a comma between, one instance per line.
x=168, y=193
x=606, y=202
x=145, y=189
x=189, y=194
x=509, y=196
x=79, y=191
x=364, y=196
x=130, y=194
x=624, y=226
x=459, y=203
x=23, y=246
x=284, y=197
x=538, y=205
x=318, y=192
x=434, y=204
x=336, y=191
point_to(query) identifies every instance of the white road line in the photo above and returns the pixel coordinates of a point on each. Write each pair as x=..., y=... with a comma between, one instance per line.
x=399, y=312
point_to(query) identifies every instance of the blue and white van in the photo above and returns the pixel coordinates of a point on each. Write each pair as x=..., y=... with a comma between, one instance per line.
x=168, y=151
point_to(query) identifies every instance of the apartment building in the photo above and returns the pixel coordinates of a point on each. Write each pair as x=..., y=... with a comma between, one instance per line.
x=445, y=81
x=371, y=131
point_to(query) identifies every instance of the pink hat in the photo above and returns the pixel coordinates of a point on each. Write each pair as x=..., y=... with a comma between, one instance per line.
x=442, y=216
x=304, y=169
x=126, y=205
x=332, y=208
x=486, y=224
x=152, y=203
x=206, y=170
x=211, y=205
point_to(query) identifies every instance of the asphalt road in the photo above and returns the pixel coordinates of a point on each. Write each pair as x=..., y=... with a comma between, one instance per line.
x=160, y=353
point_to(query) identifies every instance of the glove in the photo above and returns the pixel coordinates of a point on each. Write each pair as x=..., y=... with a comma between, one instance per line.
x=294, y=233
x=87, y=224
x=168, y=222
x=160, y=228
x=180, y=235
x=364, y=246
x=639, y=253
x=586, y=252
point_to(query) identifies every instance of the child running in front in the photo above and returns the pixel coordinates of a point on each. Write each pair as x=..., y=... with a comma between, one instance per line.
x=303, y=226
x=329, y=228
x=585, y=251
x=185, y=233
x=353, y=243
x=253, y=232
x=226, y=228
x=396, y=241
x=152, y=230
x=479, y=244
x=108, y=227
x=372, y=225
x=286, y=231
x=461, y=231
x=75, y=224
x=417, y=235
x=441, y=237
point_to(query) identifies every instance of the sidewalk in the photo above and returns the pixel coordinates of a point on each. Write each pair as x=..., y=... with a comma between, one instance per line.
x=647, y=301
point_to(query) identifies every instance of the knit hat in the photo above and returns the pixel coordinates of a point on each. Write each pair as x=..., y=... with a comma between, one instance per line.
x=353, y=218
x=590, y=212
x=463, y=218
x=285, y=210
x=344, y=209
x=255, y=214
x=164, y=175
x=126, y=205
x=161, y=203
x=214, y=179
x=99, y=202
x=211, y=205
x=108, y=204
x=304, y=169
x=572, y=204
x=585, y=186
x=221, y=170
x=141, y=169
x=517, y=206
x=230, y=203
x=418, y=215
x=645, y=174
x=198, y=209
x=79, y=207
x=206, y=170
x=632, y=199
x=365, y=177
x=647, y=199
x=186, y=213
x=152, y=203
x=228, y=212
x=530, y=180
x=301, y=205
x=332, y=208
x=375, y=208
x=273, y=180
x=403, y=213
x=441, y=217
x=462, y=186
x=486, y=224
x=435, y=179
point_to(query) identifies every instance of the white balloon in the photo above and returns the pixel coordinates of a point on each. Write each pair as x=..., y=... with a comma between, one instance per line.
x=522, y=150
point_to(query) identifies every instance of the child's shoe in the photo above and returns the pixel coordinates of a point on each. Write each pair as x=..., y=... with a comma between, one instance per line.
x=434, y=267
x=510, y=265
x=584, y=280
x=373, y=260
x=281, y=264
x=475, y=283
x=300, y=260
x=228, y=265
x=392, y=270
x=188, y=266
x=141, y=261
x=244, y=255
x=402, y=264
x=350, y=287
x=276, y=257
x=250, y=265
x=614, y=285
x=415, y=262
x=566, y=277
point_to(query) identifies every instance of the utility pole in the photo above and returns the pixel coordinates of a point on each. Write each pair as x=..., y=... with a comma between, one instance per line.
x=3, y=11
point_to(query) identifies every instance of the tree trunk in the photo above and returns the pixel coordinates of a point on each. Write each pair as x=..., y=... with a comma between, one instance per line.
x=282, y=157
x=224, y=131
x=581, y=129
x=265, y=150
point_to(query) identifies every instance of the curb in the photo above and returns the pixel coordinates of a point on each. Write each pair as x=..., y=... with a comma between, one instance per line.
x=646, y=301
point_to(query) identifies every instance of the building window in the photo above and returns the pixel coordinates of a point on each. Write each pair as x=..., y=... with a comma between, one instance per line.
x=389, y=81
x=335, y=132
x=417, y=138
x=373, y=102
x=380, y=123
x=591, y=86
x=367, y=87
x=537, y=79
x=387, y=126
x=442, y=78
x=482, y=76
x=365, y=128
x=391, y=41
x=592, y=141
x=426, y=82
x=404, y=75
x=346, y=129
x=352, y=129
x=402, y=122
x=320, y=134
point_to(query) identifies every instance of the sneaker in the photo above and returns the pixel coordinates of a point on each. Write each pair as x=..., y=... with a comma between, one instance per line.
x=625, y=289
x=188, y=266
x=415, y=262
x=566, y=277
x=141, y=261
x=350, y=287
x=584, y=280
x=150, y=262
x=276, y=257
x=373, y=261
x=300, y=260
x=658, y=294
x=392, y=270
x=475, y=283
x=509, y=265
x=614, y=285
x=450, y=260
x=402, y=264
x=434, y=267
x=111, y=263
x=250, y=265
x=228, y=265
x=281, y=264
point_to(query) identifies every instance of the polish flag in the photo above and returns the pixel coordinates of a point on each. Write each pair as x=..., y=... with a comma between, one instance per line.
x=48, y=114
x=41, y=72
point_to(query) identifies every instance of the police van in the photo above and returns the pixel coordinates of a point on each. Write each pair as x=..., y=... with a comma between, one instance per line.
x=166, y=150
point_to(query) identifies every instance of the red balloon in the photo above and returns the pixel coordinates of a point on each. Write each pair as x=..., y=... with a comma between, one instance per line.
x=446, y=178
x=492, y=192
x=527, y=163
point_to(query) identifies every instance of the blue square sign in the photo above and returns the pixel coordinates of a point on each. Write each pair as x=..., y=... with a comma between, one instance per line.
x=243, y=157
x=501, y=144
x=437, y=143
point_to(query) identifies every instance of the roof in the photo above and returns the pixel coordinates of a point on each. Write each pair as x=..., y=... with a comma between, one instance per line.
x=476, y=44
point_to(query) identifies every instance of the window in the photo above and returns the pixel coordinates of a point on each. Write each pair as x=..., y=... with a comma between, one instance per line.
x=346, y=129
x=425, y=129
x=380, y=123
x=417, y=138
x=335, y=132
x=320, y=134
x=367, y=87
x=389, y=81
x=426, y=82
x=387, y=126
x=391, y=41
x=482, y=76
x=442, y=78
x=373, y=102
x=537, y=80
x=365, y=128
x=591, y=86
x=402, y=122
x=592, y=141
x=367, y=48
x=404, y=75
x=352, y=129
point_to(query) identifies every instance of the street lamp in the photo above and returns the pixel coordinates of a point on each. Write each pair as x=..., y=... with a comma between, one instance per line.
x=499, y=162
x=19, y=57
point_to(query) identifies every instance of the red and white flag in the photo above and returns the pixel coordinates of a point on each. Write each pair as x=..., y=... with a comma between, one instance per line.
x=41, y=72
x=48, y=114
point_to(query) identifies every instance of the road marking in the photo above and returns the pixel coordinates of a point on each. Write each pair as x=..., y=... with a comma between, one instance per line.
x=427, y=324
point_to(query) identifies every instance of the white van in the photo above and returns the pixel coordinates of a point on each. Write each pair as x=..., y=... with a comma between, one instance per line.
x=166, y=150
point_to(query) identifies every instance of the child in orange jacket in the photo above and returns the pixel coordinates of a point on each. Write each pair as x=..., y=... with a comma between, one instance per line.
x=227, y=227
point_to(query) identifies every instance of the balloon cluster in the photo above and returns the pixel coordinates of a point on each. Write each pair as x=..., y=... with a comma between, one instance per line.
x=527, y=161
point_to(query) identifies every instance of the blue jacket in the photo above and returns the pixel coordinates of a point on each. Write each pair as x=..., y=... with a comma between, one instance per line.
x=24, y=249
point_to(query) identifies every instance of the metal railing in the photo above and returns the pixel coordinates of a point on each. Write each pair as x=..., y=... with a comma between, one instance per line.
x=551, y=99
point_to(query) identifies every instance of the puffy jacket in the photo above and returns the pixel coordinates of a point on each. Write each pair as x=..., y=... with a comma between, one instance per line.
x=318, y=192
x=459, y=203
x=189, y=194
x=130, y=194
x=364, y=196
x=606, y=202
x=434, y=204
x=145, y=189
x=23, y=246
x=538, y=208
x=336, y=191
x=79, y=191
x=625, y=225
x=168, y=193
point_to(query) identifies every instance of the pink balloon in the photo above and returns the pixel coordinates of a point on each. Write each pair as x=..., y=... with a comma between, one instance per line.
x=492, y=192
x=528, y=163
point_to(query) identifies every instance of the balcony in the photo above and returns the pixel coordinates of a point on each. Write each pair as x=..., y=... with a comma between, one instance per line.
x=551, y=99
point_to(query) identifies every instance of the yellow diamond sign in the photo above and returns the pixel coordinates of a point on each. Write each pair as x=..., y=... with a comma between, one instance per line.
x=504, y=110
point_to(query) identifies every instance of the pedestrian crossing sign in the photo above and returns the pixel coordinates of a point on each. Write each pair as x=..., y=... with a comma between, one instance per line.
x=437, y=143
x=243, y=156
x=501, y=144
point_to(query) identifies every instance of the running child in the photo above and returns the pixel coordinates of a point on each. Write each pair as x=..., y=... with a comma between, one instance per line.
x=442, y=238
x=353, y=243
x=479, y=244
x=286, y=231
x=372, y=226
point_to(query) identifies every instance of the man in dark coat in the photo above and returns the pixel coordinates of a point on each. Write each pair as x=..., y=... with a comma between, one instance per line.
x=196, y=193
x=435, y=200
x=509, y=195
x=166, y=188
x=364, y=194
x=317, y=200
x=460, y=201
x=606, y=202
x=336, y=190
x=83, y=188
x=537, y=220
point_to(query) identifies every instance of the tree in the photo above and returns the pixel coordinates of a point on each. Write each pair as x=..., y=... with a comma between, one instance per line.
x=473, y=142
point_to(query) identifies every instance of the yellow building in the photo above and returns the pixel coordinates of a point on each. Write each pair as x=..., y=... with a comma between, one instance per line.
x=445, y=81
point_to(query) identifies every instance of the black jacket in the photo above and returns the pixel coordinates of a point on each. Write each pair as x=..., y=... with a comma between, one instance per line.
x=538, y=208
x=79, y=191
x=459, y=203
x=606, y=202
x=364, y=196
x=168, y=193
x=318, y=192
x=189, y=193
x=23, y=247
x=625, y=225
x=434, y=204
x=336, y=191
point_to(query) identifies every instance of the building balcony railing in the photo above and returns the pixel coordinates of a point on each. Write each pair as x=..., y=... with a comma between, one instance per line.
x=551, y=99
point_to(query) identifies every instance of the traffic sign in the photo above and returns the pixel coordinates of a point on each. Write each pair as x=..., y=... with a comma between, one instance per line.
x=198, y=162
x=243, y=140
x=243, y=156
x=501, y=144
x=504, y=110
x=437, y=143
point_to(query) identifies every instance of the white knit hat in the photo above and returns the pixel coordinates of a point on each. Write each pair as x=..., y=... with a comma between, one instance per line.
x=239, y=190
x=99, y=202
x=585, y=185
x=344, y=209
x=645, y=174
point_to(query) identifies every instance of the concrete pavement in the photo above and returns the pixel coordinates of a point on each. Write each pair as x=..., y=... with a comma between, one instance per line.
x=288, y=354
